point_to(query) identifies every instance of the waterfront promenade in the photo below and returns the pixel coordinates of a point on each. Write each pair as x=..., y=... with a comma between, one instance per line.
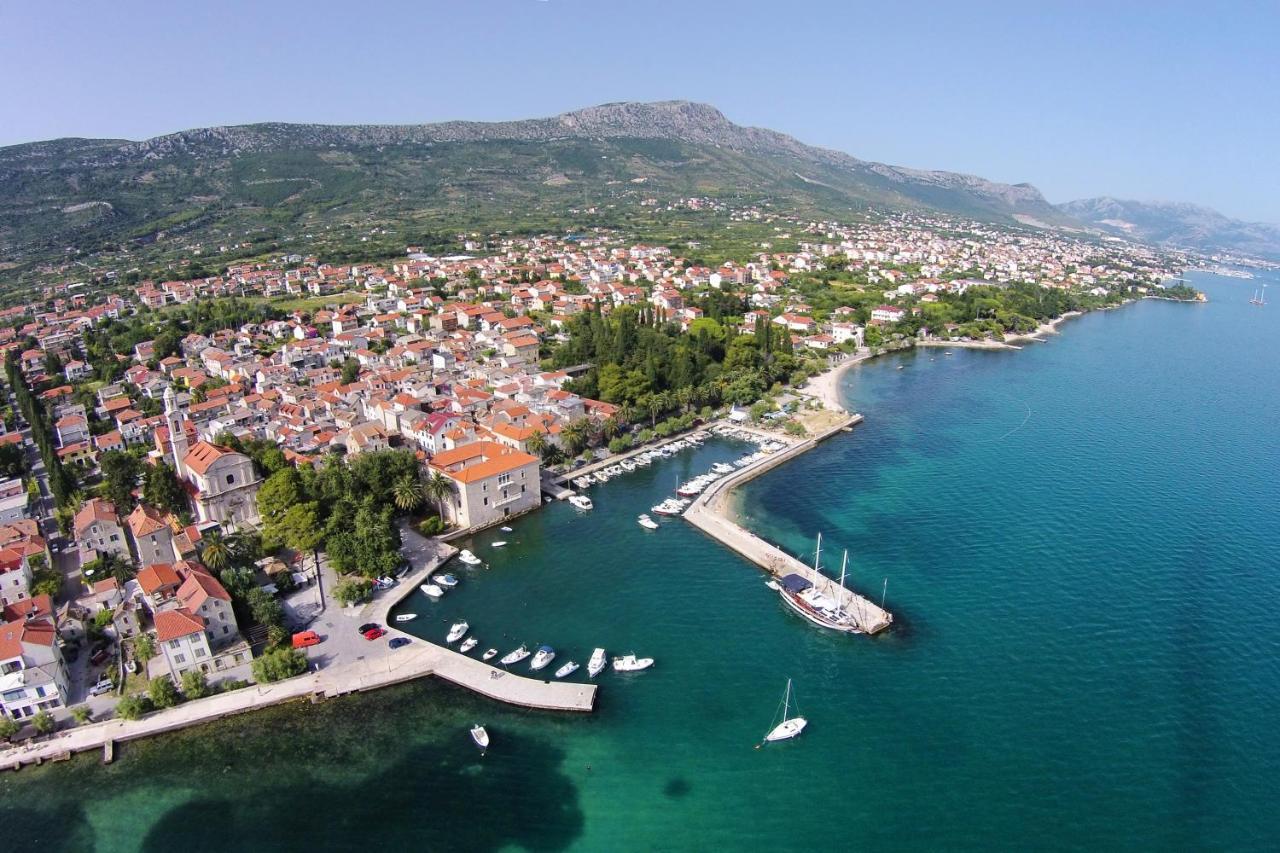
x=709, y=514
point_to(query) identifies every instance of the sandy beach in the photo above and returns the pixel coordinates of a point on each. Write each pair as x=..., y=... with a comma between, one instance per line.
x=826, y=385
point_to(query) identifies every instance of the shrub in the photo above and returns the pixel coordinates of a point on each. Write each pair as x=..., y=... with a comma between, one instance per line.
x=352, y=591
x=163, y=693
x=8, y=727
x=44, y=722
x=133, y=707
x=793, y=428
x=144, y=648
x=432, y=525
x=194, y=684
x=279, y=664
x=232, y=684
x=620, y=444
x=81, y=714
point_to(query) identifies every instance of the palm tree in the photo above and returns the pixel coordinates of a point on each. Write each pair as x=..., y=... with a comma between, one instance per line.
x=610, y=428
x=215, y=550
x=438, y=488
x=535, y=443
x=574, y=436
x=656, y=404
x=407, y=493
x=627, y=413
x=684, y=396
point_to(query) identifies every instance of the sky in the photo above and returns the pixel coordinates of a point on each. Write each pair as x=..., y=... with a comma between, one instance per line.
x=1147, y=100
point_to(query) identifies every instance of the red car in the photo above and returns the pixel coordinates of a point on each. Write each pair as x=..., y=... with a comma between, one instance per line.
x=374, y=633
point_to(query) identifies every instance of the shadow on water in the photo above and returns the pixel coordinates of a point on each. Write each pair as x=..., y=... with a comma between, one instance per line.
x=677, y=787
x=433, y=797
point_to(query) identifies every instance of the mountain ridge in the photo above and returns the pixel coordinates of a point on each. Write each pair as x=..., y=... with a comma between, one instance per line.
x=1176, y=224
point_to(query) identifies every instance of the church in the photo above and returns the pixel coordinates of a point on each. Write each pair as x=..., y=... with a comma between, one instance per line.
x=222, y=483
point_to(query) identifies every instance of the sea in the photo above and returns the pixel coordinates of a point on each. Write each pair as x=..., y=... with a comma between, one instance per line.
x=1077, y=539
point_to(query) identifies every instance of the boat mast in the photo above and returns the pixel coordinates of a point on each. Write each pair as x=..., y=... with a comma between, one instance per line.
x=817, y=555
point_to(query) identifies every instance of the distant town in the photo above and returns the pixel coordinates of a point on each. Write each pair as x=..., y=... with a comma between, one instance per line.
x=195, y=469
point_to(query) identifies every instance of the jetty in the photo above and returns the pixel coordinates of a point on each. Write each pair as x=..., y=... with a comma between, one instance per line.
x=707, y=514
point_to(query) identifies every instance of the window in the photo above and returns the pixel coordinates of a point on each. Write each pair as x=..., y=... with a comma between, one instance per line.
x=486, y=501
x=173, y=644
x=226, y=630
x=200, y=653
x=503, y=479
x=231, y=478
x=179, y=658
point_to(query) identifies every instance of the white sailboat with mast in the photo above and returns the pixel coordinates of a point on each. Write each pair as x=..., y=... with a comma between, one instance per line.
x=790, y=726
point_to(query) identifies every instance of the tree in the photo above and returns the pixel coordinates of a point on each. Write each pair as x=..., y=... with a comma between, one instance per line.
x=44, y=723
x=8, y=727
x=144, y=648
x=574, y=435
x=350, y=371
x=194, y=684
x=279, y=664
x=439, y=488
x=160, y=488
x=163, y=694
x=215, y=551
x=278, y=493
x=407, y=493
x=535, y=443
x=264, y=608
x=81, y=714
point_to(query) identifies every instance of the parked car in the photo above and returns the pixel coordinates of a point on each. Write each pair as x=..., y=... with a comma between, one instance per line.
x=368, y=626
x=100, y=657
x=103, y=686
x=374, y=633
x=399, y=642
x=303, y=639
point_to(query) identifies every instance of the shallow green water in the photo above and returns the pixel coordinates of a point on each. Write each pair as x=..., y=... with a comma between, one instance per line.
x=1079, y=541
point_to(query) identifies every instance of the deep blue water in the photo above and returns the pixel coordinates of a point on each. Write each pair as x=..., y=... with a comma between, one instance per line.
x=1079, y=544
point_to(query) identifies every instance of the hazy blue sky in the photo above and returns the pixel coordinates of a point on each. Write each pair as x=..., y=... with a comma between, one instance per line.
x=1148, y=100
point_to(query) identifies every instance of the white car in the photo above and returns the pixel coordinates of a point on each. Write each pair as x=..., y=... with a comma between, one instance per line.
x=103, y=686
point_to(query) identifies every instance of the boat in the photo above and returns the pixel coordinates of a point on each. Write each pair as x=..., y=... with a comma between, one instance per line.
x=597, y=663
x=800, y=594
x=456, y=632
x=480, y=736
x=545, y=655
x=489, y=654
x=568, y=669
x=467, y=557
x=431, y=590
x=1259, y=297
x=581, y=502
x=790, y=726
x=627, y=465
x=445, y=580
x=515, y=657
x=648, y=523
x=631, y=663
x=498, y=544
x=722, y=468
x=468, y=644
x=773, y=585
x=505, y=529
x=668, y=507
x=406, y=617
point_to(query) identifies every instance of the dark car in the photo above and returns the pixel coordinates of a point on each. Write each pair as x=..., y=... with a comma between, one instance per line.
x=368, y=626
x=100, y=656
x=399, y=642
x=374, y=633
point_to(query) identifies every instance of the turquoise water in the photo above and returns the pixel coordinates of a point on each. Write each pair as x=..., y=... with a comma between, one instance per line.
x=1079, y=542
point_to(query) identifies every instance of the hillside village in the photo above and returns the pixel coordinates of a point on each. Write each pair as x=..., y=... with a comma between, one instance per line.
x=450, y=360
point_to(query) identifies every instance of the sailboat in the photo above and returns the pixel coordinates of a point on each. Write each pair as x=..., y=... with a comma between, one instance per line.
x=821, y=606
x=1259, y=297
x=790, y=726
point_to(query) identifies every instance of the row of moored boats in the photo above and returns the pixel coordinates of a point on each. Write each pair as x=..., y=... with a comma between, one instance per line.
x=544, y=655
x=639, y=460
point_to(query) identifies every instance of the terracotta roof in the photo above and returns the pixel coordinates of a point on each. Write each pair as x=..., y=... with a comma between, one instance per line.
x=156, y=577
x=479, y=460
x=203, y=455
x=198, y=587
x=145, y=520
x=172, y=624
x=95, y=509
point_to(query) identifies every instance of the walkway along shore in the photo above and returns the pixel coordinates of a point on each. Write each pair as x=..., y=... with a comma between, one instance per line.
x=708, y=514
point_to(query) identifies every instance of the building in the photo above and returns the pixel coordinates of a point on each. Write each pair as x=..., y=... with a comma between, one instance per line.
x=33, y=676
x=152, y=538
x=98, y=529
x=13, y=500
x=887, y=314
x=491, y=482
x=223, y=482
x=181, y=639
x=203, y=595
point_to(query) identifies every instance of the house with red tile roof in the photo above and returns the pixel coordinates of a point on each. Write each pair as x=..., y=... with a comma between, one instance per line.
x=491, y=482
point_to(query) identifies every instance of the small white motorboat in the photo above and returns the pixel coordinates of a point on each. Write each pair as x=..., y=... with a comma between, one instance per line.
x=480, y=736
x=498, y=544
x=516, y=656
x=489, y=654
x=581, y=502
x=545, y=655
x=468, y=644
x=467, y=557
x=597, y=663
x=789, y=727
x=456, y=632
x=445, y=580
x=431, y=590
x=568, y=669
x=631, y=663
x=647, y=523
x=406, y=617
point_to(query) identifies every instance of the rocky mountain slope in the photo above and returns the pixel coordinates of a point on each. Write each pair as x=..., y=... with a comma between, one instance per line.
x=1173, y=224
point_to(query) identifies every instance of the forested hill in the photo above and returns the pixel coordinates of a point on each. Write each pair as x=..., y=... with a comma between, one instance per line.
x=211, y=184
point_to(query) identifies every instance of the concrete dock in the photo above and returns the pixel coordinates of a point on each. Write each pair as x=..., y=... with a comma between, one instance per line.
x=707, y=514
